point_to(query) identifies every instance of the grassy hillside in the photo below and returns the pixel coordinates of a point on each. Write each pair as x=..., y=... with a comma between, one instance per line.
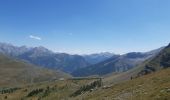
x=58, y=90
x=14, y=72
x=155, y=86
x=114, y=78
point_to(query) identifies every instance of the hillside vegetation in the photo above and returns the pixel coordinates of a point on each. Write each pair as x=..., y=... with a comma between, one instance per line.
x=15, y=72
x=58, y=90
x=155, y=86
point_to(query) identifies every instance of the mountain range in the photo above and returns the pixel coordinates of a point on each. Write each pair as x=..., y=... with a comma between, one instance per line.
x=77, y=65
x=117, y=63
x=45, y=58
x=149, y=80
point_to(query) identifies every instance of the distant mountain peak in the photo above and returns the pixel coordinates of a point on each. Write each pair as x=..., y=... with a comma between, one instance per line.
x=98, y=57
x=42, y=49
x=168, y=46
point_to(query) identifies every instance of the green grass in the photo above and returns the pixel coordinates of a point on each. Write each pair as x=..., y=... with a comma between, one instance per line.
x=150, y=87
x=17, y=73
x=155, y=86
x=47, y=91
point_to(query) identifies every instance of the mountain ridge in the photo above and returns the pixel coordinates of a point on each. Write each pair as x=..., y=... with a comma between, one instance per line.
x=41, y=56
x=98, y=57
x=118, y=63
x=160, y=61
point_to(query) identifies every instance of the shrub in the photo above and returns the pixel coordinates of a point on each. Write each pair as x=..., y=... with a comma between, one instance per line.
x=88, y=87
x=8, y=90
x=5, y=97
x=35, y=92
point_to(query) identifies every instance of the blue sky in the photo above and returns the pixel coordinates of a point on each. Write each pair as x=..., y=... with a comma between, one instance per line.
x=86, y=26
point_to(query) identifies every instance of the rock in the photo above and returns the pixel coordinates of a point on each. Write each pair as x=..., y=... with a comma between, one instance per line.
x=168, y=90
x=106, y=87
x=162, y=91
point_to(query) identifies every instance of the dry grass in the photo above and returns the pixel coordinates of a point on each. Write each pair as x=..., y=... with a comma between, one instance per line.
x=16, y=73
x=59, y=90
x=155, y=86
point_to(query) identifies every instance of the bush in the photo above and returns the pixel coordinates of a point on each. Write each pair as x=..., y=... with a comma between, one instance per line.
x=8, y=90
x=35, y=92
x=5, y=97
x=85, y=88
x=47, y=91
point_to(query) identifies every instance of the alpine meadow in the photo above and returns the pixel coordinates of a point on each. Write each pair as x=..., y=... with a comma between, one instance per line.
x=84, y=50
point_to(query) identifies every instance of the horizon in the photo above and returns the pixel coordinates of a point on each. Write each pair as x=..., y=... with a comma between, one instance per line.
x=78, y=53
x=86, y=27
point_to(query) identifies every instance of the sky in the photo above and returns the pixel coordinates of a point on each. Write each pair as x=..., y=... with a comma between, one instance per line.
x=86, y=26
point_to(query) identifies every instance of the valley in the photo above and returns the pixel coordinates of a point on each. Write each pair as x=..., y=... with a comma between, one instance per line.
x=148, y=87
x=25, y=81
x=84, y=50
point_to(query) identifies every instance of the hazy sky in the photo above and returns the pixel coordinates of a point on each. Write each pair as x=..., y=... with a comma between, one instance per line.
x=86, y=26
